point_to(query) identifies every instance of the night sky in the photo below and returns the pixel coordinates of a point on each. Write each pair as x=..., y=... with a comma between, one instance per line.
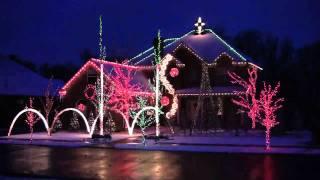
x=56, y=31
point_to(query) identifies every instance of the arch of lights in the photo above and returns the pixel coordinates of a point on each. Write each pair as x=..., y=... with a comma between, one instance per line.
x=29, y=110
x=74, y=110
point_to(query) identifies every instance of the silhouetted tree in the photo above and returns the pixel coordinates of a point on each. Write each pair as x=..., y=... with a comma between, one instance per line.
x=59, y=71
x=250, y=43
x=308, y=72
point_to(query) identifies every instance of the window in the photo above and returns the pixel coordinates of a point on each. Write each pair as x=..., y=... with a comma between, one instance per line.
x=91, y=77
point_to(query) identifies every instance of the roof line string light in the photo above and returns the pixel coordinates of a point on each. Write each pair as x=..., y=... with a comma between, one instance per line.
x=226, y=44
x=151, y=48
x=173, y=39
x=199, y=29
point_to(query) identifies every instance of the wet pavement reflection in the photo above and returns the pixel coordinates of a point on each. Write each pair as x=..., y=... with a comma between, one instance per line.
x=102, y=163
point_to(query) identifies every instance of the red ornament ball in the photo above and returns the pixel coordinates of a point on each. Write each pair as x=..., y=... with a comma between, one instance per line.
x=174, y=72
x=81, y=107
x=164, y=101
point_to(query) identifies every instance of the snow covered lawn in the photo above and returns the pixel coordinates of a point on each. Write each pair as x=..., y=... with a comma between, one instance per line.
x=218, y=149
x=222, y=142
x=244, y=140
x=227, y=142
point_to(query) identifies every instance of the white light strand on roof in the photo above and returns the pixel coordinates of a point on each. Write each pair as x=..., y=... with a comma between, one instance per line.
x=214, y=63
x=140, y=54
x=174, y=40
x=233, y=61
x=226, y=44
x=190, y=50
x=177, y=39
x=171, y=39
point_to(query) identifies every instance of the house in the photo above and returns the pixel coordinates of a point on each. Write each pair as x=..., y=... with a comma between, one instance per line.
x=81, y=89
x=17, y=80
x=195, y=72
x=17, y=84
x=203, y=90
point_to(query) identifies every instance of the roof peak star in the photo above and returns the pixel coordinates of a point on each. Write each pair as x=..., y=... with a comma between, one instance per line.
x=199, y=25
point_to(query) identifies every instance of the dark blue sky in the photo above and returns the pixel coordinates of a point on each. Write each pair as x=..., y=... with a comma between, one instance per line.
x=55, y=31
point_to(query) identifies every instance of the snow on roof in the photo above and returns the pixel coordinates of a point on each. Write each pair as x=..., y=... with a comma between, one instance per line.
x=16, y=79
x=207, y=47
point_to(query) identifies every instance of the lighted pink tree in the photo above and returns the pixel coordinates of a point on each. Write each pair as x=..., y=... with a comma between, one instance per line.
x=247, y=100
x=123, y=96
x=269, y=104
x=31, y=118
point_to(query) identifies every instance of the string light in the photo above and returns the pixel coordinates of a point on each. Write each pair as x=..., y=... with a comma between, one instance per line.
x=174, y=41
x=123, y=96
x=157, y=92
x=124, y=65
x=157, y=61
x=162, y=76
x=214, y=61
x=190, y=50
x=269, y=105
x=191, y=32
x=92, y=63
x=209, y=94
x=170, y=39
x=83, y=69
x=55, y=119
x=141, y=54
x=204, y=87
x=226, y=44
x=168, y=86
x=101, y=100
x=163, y=67
x=247, y=100
x=29, y=110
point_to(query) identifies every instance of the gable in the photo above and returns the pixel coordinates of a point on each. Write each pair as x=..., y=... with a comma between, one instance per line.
x=93, y=65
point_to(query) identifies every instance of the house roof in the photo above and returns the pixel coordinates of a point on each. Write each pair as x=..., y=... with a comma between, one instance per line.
x=108, y=67
x=207, y=47
x=16, y=79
